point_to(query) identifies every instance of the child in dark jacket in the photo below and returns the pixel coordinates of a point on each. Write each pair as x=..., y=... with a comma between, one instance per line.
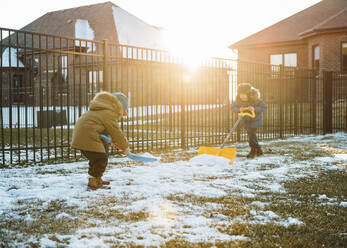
x=249, y=97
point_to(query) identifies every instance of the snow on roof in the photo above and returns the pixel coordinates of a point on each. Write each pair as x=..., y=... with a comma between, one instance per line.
x=134, y=32
x=10, y=55
x=83, y=31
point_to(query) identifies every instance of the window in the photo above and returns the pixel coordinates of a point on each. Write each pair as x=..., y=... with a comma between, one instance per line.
x=64, y=67
x=290, y=59
x=18, y=89
x=286, y=59
x=17, y=81
x=60, y=78
x=95, y=81
x=315, y=57
x=344, y=56
x=276, y=59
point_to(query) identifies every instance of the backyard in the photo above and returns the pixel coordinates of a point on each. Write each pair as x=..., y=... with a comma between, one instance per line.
x=293, y=196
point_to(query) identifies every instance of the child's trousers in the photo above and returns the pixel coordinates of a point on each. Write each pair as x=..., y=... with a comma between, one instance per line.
x=97, y=161
x=252, y=138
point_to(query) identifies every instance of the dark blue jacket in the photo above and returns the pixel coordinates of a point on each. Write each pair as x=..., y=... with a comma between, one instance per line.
x=259, y=106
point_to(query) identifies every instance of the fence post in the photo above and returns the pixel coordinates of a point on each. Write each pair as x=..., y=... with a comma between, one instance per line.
x=327, y=102
x=313, y=102
x=281, y=86
x=228, y=115
x=105, y=76
x=294, y=99
x=183, y=112
x=183, y=126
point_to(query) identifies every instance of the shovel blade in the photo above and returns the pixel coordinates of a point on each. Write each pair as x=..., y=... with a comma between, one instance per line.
x=141, y=158
x=229, y=153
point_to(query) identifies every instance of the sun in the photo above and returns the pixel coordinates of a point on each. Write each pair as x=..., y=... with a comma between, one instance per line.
x=186, y=47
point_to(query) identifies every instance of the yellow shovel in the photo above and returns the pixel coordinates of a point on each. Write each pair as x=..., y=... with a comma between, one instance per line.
x=229, y=153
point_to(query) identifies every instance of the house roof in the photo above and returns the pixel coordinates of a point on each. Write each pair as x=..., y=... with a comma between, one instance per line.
x=62, y=22
x=335, y=22
x=97, y=22
x=325, y=15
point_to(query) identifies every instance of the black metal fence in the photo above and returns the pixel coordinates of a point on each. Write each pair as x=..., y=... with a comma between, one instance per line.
x=47, y=82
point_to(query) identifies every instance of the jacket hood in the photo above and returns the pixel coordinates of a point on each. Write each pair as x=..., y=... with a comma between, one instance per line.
x=253, y=95
x=106, y=101
x=123, y=100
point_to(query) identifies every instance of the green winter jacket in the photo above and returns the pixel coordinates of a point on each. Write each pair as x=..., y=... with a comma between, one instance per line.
x=102, y=118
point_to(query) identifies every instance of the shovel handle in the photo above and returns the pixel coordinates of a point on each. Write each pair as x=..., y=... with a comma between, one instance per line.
x=109, y=141
x=240, y=115
x=232, y=130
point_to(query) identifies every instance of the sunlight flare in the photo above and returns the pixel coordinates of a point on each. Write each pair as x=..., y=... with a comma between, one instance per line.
x=162, y=215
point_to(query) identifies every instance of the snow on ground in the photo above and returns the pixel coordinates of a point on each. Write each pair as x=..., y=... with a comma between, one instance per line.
x=145, y=194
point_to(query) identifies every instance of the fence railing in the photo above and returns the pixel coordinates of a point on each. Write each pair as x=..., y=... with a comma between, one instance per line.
x=47, y=82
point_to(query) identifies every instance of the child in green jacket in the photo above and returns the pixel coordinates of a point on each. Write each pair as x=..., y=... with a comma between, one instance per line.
x=105, y=110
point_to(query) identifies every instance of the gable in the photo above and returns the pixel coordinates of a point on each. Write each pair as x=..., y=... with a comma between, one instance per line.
x=99, y=22
x=63, y=22
x=289, y=29
x=134, y=32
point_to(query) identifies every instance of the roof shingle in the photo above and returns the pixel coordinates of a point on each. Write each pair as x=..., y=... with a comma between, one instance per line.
x=62, y=22
x=291, y=28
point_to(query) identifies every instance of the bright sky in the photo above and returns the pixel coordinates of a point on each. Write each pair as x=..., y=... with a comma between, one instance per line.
x=208, y=26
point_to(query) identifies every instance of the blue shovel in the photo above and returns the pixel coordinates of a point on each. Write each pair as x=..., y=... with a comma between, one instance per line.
x=131, y=156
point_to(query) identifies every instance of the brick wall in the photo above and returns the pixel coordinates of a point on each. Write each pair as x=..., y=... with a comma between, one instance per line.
x=262, y=54
x=330, y=50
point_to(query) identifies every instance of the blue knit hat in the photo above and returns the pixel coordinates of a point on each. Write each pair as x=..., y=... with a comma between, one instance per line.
x=123, y=100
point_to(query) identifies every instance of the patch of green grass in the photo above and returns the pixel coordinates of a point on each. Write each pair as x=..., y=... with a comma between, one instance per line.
x=296, y=151
x=234, y=229
x=182, y=155
x=324, y=225
x=35, y=218
x=268, y=166
x=62, y=172
x=37, y=136
x=324, y=221
x=179, y=243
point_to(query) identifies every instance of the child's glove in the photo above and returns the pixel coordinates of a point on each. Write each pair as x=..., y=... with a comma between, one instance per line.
x=127, y=151
x=251, y=108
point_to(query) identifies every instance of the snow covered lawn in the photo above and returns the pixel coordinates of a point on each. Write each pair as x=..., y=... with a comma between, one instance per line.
x=293, y=196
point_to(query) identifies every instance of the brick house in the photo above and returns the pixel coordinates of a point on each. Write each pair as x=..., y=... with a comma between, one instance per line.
x=315, y=38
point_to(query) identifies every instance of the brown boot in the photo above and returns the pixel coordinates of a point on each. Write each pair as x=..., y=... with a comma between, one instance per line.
x=259, y=152
x=95, y=182
x=252, y=153
x=105, y=182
